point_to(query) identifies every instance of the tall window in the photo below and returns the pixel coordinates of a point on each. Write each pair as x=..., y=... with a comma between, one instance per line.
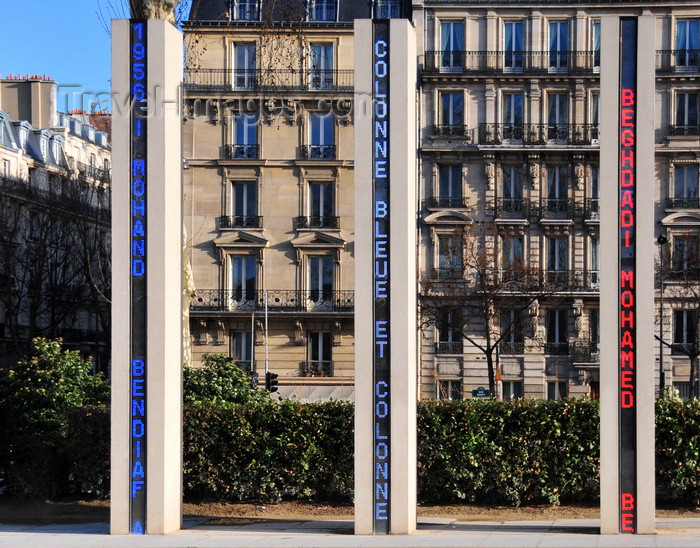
x=557, y=116
x=449, y=256
x=558, y=255
x=320, y=281
x=245, y=136
x=322, y=10
x=448, y=330
x=687, y=44
x=512, y=252
x=452, y=109
x=513, y=46
x=685, y=324
x=557, y=201
x=685, y=255
x=245, y=73
x=243, y=281
x=512, y=390
x=452, y=45
x=244, y=204
x=322, y=136
x=321, y=205
x=512, y=205
x=321, y=65
x=557, y=332
x=512, y=116
x=558, y=45
x=594, y=263
x=241, y=349
x=595, y=46
x=450, y=186
x=685, y=186
x=557, y=390
x=687, y=114
x=511, y=332
x=387, y=9
x=246, y=10
x=594, y=329
x=320, y=355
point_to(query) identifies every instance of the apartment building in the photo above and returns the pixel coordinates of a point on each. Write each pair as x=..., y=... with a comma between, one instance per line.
x=508, y=164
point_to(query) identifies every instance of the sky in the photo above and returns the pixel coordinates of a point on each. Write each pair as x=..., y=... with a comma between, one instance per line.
x=63, y=39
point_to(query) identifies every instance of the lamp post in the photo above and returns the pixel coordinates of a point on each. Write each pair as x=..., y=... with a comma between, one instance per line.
x=661, y=240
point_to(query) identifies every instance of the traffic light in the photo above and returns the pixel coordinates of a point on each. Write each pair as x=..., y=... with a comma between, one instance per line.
x=271, y=381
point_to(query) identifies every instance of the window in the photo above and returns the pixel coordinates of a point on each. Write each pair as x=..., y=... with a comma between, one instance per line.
x=322, y=10
x=685, y=256
x=594, y=330
x=595, y=46
x=452, y=110
x=512, y=116
x=246, y=10
x=321, y=65
x=452, y=45
x=687, y=44
x=685, y=186
x=558, y=45
x=449, y=389
x=242, y=284
x=387, y=9
x=557, y=201
x=320, y=281
x=322, y=137
x=5, y=168
x=321, y=206
x=557, y=332
x=450, y=187
x=594, y=264
x=241, y=349
x=319, y=351
x=558, y=254
x=512, y=390
x=448, y=331
x=244, y=71
x=557, y=116
x=593, y=201
x=685, y=323
x=244, y=205
x=557, y=390
x=245, y=136
x=511, y=332
x=449, y=256
x=512, y=204
x=513, y=46
x=687, y=119
x=512, y=252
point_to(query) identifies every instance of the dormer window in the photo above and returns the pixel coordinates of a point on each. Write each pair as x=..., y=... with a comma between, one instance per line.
x=322, y=10
x=245, y=10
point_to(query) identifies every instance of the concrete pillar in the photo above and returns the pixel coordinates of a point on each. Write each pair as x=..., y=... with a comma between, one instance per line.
x=382, y=327
x=148, y=392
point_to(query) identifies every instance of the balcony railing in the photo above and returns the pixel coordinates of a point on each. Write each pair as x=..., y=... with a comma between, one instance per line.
x=278, y=300
x=586, y=351
x=315, y=221
x=268, y=80
x=556, y=348
x=242, y=152
x=93, y=172
x=448, y=273
x=241, y=221
x=573, y=280
x=683, y=203
x=317, y=369
x=512, y=61
x=317, y=152
x=455, y=202
x=680, y=349
x=678, y=60
x=451, y=130
x=684, y=131
x=511, y=347
x=592, y=206
x=511, y=208
x=556, y=208
x=538, y=134
x=448, y=347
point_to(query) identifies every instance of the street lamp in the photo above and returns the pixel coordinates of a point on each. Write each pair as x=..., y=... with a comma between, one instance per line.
x=661, y=240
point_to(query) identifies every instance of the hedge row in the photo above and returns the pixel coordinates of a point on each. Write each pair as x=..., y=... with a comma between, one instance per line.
x=517, y=452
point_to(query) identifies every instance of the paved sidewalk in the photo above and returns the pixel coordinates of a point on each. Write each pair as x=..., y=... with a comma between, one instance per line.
x=432, y=532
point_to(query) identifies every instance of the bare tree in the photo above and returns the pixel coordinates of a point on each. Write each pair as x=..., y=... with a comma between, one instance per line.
x=476, y=298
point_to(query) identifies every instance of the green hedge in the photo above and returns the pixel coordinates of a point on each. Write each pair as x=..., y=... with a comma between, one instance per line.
x=484, y=451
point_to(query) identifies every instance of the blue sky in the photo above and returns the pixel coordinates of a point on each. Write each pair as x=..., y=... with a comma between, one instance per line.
x=63, y=39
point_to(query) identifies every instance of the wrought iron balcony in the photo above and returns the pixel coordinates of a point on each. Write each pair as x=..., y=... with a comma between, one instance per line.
x=317, y=152
x=573, y=280
x=278, y=300
x=586, y=351
x=538, y=134
x=678, y=60
x=511, y=62
x=592, y=206
x=315, y=221
x=94, y=172
x=454, y=202
x=242, y=152
x=448, y=347
x=511, y=347
x=448, y=273
x=556, y=348
x=241, y=221
x=556, y=208
x=451, y=130
x=317, y=369
x=263, y=79
x=683, y=203
x=684, y=131
x=511, y=208
x=680, y=349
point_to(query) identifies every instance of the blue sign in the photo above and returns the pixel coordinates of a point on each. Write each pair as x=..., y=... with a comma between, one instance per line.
x=138, y=364
x=481, y=392
x=381, y=278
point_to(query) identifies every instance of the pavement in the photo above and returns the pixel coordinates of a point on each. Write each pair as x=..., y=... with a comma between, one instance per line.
x=432, y=532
